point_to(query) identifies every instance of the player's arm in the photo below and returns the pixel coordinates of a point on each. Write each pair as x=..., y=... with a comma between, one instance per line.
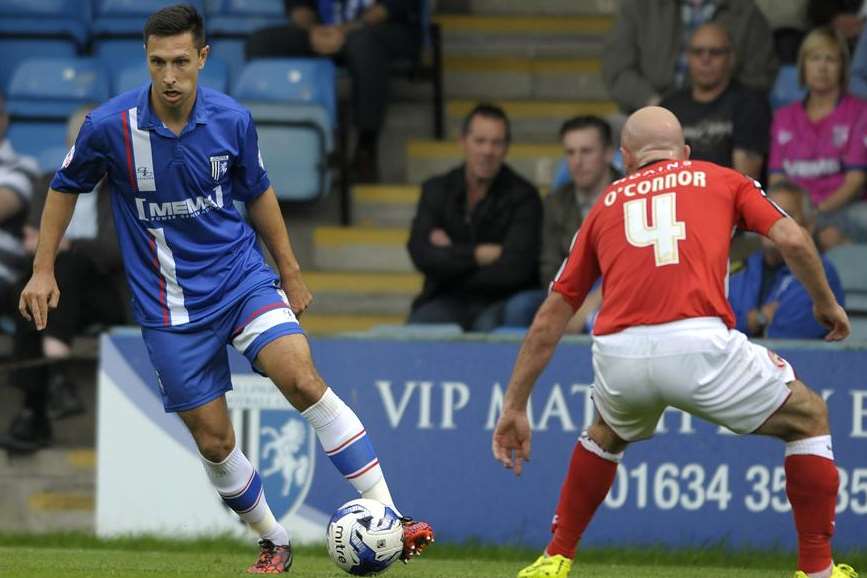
x=267, y=220
x=803, y=260
x=41, y=292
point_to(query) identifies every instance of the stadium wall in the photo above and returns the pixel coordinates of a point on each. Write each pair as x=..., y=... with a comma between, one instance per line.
x=430, y=407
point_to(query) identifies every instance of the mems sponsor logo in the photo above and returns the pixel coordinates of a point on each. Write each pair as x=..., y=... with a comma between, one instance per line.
x=183, y=209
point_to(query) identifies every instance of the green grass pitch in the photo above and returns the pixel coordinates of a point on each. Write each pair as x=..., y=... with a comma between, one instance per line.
x=75, y=555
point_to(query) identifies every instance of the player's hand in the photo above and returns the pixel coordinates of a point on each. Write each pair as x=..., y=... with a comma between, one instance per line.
x=487, y=253
x=297, y=292
x=511, y=441
x=439, y=238
x=834, y=318
x=40, y=295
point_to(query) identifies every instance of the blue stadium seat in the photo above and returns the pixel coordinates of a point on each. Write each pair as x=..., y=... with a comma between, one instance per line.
x=215, y=75
x=45, y=141
x=787, y=88
x=15, y=50
x=52, y=88
x=69, y=19
x=234, y=18
x=283, y=80
x=851, y=264
x=293, y=103
x=230, y=51
x=113, y=18
x=119, y=53
x=859, y=328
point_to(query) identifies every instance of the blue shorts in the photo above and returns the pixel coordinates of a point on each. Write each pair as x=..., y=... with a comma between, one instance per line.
x=192, y=364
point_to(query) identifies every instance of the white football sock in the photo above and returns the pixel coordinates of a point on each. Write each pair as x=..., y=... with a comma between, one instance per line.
x=347, y=445
x=240, y=486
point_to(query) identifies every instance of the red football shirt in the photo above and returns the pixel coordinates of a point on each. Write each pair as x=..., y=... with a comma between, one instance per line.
x=660, y=239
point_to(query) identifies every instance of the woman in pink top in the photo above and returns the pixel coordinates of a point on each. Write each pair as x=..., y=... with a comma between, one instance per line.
x=821, y=142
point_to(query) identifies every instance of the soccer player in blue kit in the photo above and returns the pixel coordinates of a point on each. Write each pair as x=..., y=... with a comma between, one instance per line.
x=176, y=156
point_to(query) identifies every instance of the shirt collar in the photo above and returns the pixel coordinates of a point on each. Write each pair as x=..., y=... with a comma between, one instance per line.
x=148, y=119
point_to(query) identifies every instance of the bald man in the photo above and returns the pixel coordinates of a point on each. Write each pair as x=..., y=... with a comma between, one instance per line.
x=673, y=342
x=723, y=121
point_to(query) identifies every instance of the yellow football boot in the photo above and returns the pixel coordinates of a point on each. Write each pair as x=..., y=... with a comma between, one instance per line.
x=547, y=567
x=839, y=571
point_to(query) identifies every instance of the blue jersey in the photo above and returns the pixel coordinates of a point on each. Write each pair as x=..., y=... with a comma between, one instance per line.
x=187, y=251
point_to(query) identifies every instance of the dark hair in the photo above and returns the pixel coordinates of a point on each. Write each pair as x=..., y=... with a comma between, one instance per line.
x=588, y=121
x=487, y=110
x=174, y=20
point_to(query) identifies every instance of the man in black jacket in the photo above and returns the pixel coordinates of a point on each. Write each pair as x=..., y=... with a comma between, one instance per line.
x=477, y=231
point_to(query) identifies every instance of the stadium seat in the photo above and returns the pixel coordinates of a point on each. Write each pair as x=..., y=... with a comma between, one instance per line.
x=293, y=103
x=119, y=53
x=426, y=330
x=282, y=80
x=859, y=328
x=215, y=75
x=45, y=141
x=52, y=88
x=851, y=264
x=230, y=51
x=787, y=88
x=237, y=18
x=16, y=50
x=58, y=19
x=126, y=18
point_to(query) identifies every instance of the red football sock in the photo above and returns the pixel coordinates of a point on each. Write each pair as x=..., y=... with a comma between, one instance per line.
x=586, y=485
x=811, y=485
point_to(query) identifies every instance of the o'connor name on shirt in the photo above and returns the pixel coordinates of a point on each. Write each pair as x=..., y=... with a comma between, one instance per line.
x=183, y=209
x=666, y=182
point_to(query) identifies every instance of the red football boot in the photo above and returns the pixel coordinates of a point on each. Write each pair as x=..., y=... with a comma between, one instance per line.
x=416, y=537
x=272, y=559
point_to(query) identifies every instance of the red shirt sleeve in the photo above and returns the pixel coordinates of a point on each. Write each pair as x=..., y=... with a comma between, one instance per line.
x=756, y=212
x=581, y=268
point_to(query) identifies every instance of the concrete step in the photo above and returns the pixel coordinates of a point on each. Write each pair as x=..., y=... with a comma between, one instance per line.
x=48, y=491
x=364, y=249
x=385, y=205
x=553, y=7
x=342, y=293
x=333, y=324
x=536, y=162
x=531, y=120
x=524, y=78
x=530, y=36
x=403, y=120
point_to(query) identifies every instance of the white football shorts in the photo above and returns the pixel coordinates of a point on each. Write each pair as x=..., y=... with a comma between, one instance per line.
x=697, y=365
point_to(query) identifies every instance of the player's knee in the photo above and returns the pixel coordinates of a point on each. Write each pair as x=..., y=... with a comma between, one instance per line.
x=814, y=421
x=213, y=446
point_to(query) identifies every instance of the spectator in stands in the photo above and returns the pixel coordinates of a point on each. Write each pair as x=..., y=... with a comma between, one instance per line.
x=788, y=21
x=844, y=16
x=645, y=54
x=366, y=36
x=723, y=121
x=858, y=81
x=89, y=269
x=767, y=299
x=476, y=232
x=587, y=142
x=819, y=143
x=17, y=174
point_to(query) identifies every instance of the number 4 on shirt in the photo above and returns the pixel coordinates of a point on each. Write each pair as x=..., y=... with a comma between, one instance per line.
x=665, y=232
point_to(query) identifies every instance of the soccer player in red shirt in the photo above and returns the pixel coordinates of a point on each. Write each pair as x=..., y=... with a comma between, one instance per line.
x=665, y=336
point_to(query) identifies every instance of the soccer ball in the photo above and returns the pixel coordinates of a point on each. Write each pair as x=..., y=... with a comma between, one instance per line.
x=364, y=537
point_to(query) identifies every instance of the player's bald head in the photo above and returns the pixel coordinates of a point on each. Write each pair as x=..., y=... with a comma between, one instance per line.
x=652, y=133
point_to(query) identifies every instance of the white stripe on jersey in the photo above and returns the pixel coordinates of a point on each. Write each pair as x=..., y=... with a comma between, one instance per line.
x=261, y=324
x=174, y=294
x=141, y=149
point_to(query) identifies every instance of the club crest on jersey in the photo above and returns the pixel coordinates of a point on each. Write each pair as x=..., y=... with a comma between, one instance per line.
x=219, y=167
x=282, y=446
